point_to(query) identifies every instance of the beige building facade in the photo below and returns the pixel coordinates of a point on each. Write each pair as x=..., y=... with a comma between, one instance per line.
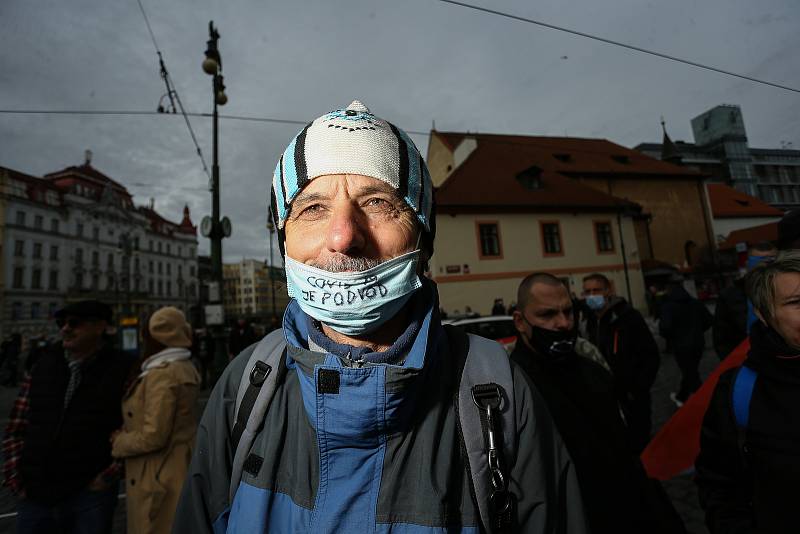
x=483, y=256
x=248, y=290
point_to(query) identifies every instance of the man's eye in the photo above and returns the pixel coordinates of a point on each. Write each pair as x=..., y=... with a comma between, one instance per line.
x=377, y=203
x=313, y=209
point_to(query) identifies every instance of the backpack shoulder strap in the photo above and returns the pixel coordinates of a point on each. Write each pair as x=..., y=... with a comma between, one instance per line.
x=487, y=420
x=743, y=386
x=255, y=393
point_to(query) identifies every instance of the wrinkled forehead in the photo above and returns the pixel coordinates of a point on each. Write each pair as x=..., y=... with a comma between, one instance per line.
x=351, y=185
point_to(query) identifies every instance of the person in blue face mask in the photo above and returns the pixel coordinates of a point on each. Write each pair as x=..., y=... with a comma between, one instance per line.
x=362, y=434
x=622, y=335
x=733, y=315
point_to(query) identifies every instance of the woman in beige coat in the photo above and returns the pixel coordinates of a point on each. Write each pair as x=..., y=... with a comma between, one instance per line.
x=159, y=424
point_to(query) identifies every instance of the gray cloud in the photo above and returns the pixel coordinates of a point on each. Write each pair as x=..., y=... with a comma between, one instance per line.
x=412, y=62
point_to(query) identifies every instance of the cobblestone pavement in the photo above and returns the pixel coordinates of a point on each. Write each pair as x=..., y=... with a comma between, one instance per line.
x=681, y=489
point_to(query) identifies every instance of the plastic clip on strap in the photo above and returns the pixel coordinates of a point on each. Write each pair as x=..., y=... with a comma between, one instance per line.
x=487, y=398
x=258, y=375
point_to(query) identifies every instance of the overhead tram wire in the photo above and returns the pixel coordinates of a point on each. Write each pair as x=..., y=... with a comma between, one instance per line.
x=171, y=91
x=620, y=44
x=288, y=122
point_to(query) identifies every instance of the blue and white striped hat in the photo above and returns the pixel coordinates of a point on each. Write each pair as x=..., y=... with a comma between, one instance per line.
x=353, y=141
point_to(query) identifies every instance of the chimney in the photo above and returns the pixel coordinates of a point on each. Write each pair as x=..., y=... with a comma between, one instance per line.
x=87, y=157
x=152, y=203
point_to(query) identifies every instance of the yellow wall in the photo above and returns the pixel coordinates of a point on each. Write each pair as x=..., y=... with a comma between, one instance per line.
x=678, y=208
x=522, y=253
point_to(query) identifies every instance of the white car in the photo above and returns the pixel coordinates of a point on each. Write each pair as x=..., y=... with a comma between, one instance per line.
x=497, y=327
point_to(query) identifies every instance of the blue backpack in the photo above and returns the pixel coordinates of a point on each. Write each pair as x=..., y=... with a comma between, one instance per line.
x=742, y=393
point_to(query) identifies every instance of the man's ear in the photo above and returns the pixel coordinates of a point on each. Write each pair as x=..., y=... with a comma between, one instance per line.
x=519, y=321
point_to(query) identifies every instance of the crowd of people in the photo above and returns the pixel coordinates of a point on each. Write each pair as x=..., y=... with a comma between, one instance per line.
x=364, y=413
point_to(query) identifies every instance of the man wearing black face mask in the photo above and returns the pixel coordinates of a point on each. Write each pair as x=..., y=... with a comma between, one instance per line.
x=581, y=398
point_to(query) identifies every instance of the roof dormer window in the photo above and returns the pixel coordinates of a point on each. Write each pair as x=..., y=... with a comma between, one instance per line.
x=531, y=178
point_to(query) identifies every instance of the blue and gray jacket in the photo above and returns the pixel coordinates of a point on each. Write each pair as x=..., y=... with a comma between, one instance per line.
x=377, y=452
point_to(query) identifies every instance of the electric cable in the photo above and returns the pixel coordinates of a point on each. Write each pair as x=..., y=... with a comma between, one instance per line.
x=618, y=43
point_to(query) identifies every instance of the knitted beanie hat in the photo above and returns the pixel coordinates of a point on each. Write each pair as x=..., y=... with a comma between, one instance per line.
x=354, y=141
x=168, y=326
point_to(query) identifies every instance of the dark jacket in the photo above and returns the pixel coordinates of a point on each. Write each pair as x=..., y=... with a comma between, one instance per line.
x=627, y=344
x=381, y=454
x=755, y=487
x=64, y=449
x=730, y=319
x=684, y=320
x=582, y=401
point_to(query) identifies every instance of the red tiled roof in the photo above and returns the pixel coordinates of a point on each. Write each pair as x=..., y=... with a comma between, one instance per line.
x=727, y=202
x=752, y=235
x=579, y=156
x=488, y=178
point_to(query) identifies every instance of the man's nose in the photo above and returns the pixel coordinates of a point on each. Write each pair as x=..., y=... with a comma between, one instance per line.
x=346, y=232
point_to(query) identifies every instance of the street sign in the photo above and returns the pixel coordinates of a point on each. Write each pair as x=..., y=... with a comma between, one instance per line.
x=213, y=292
x=215, y=314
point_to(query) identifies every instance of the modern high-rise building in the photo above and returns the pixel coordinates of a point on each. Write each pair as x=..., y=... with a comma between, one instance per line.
x=721, y=151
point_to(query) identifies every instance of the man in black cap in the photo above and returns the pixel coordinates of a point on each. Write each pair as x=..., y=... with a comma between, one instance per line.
x=56, y=446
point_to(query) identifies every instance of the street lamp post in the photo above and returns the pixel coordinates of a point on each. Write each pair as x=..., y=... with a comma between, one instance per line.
x=212, y=65
x=271, y=228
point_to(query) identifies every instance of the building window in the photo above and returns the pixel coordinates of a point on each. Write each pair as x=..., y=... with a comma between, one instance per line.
x=603, y=236
x=37, y=251
x=111, y=284
x=95, y=282
x=36, y=279
x=159, y=247
x=95, y=258
x=96, y=233
x=169, y=268
x=160, y=268
x=191, y=270
x=16, y=310
x=79, y=280
x=180, y=252
x=136, y=265
x=160, y=288
x=54, y=226
x=489, y=240
x=21, y=218
x=150, y=285
x=180, y=271
x=53, y=285
x=168, y=248
x=53, y=309
x=36, y=310
x=19, y=248
x=151, y=245
x=135, y=243
x=53, y=252
x=551, y=238
x=151, y=267
x=79, y=230
x=38, y=222
x=110, y=262
x=19, y=273
x=169, y=288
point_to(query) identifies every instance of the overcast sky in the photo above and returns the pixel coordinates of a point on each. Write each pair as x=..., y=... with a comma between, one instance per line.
x=410, y=61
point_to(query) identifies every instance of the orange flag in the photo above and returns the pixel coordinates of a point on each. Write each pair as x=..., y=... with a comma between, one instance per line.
x=674, y=449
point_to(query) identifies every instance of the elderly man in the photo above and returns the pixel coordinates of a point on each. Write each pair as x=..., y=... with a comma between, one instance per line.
x=582, y=398
x=57, y=443
x=363, y=432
